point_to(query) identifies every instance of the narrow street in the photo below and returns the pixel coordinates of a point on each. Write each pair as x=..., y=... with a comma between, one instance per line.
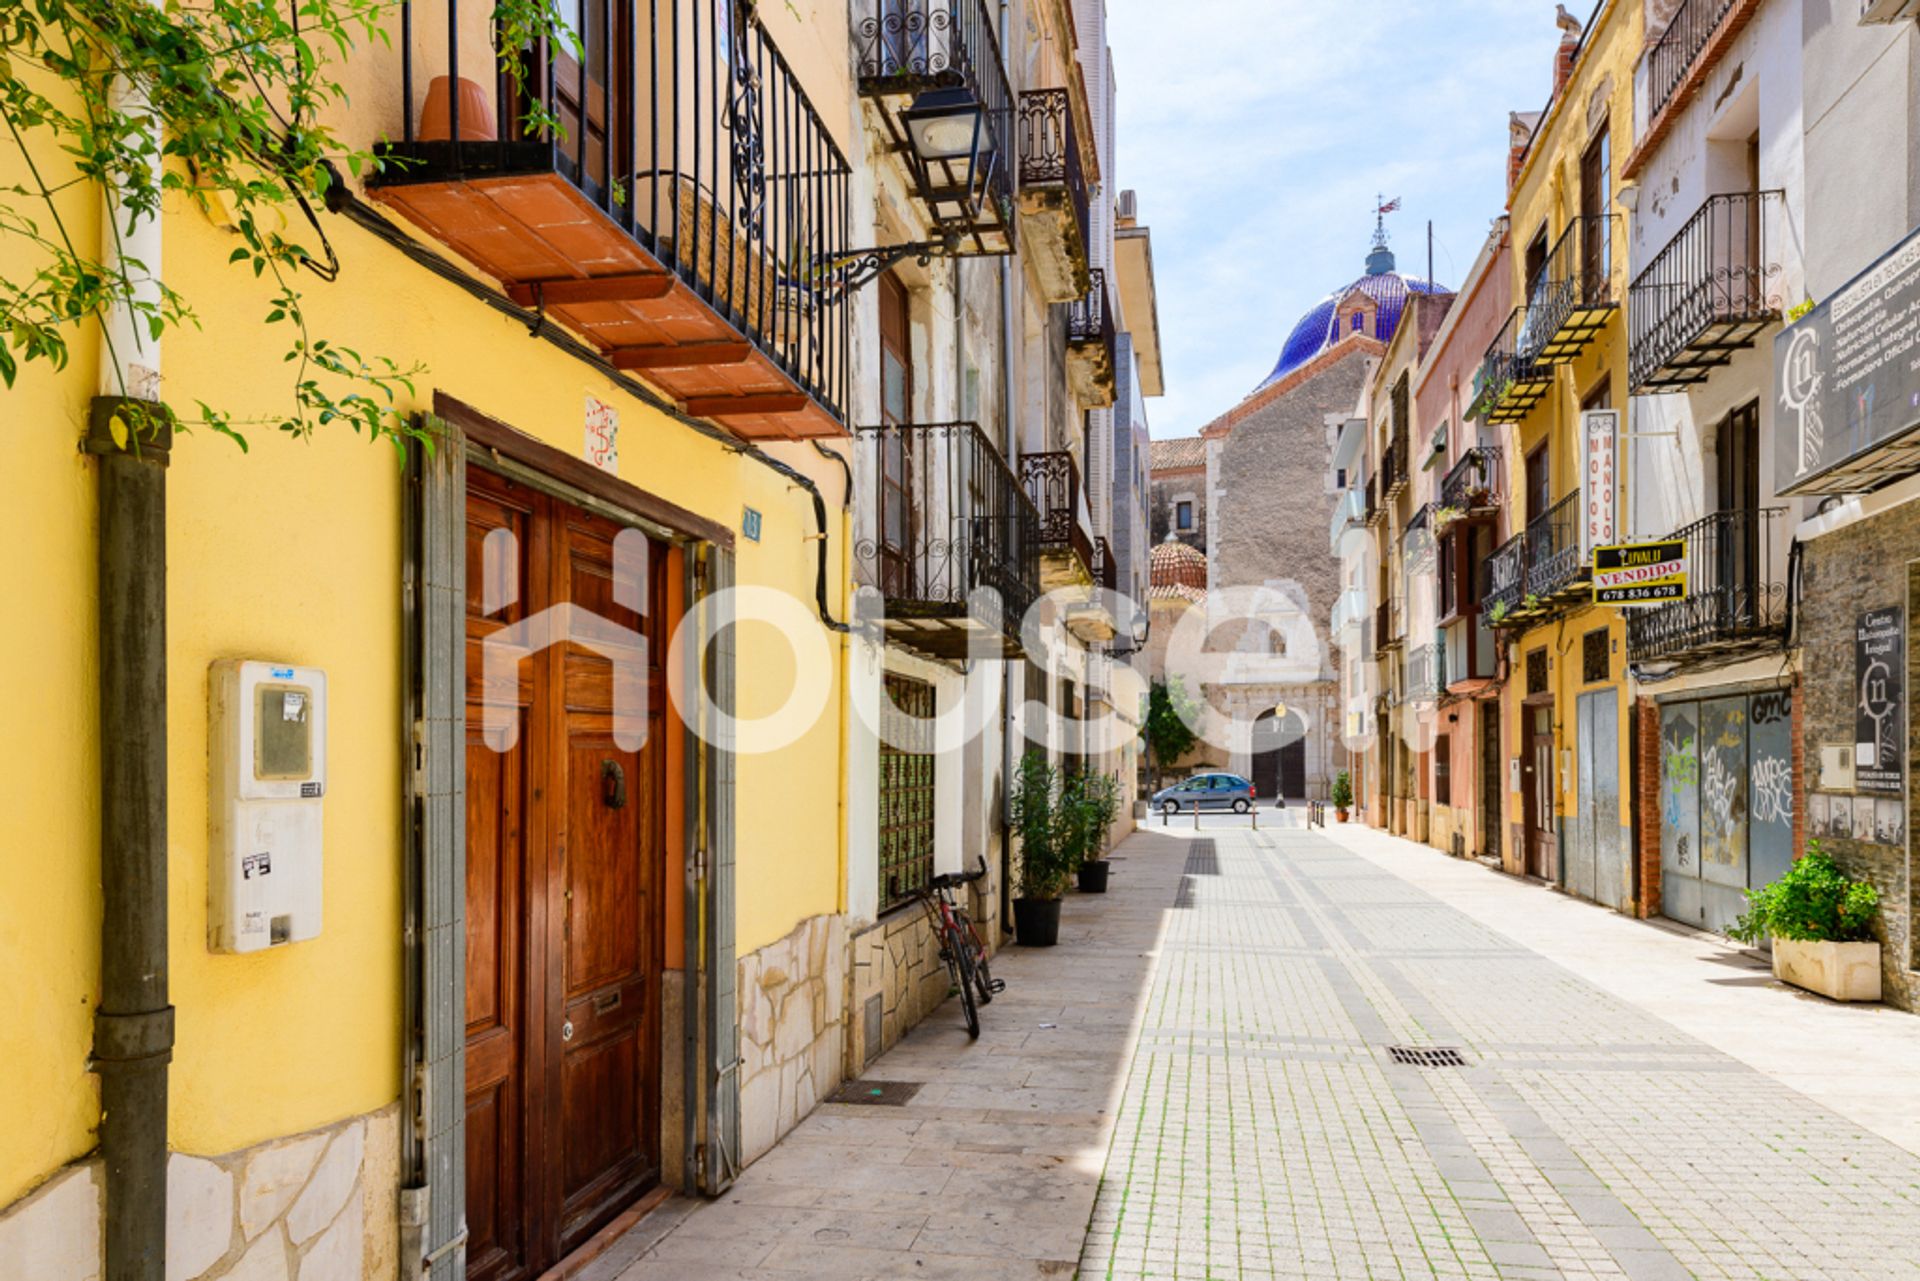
x=1217, y=1033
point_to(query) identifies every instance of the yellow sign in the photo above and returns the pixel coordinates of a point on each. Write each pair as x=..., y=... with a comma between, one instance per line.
x=1640, y=573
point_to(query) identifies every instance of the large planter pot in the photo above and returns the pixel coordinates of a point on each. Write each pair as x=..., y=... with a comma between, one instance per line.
x=1093, y=877
x=1340, y=814
x=1036, y=921
x=1842, y=971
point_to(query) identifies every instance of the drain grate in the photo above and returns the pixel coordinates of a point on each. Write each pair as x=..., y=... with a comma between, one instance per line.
x=885, y=1094
x=1427, y=1056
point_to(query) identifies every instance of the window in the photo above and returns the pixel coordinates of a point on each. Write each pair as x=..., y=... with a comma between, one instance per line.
x=1443, y=770
x=898, y=518
x=1359, y=319
x=1536, y=671
x=1596, y=656
x=906, y=790
x=1539, y=483
x=1183, y=515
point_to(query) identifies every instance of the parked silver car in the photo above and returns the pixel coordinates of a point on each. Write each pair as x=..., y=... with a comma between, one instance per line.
x=1208, y=792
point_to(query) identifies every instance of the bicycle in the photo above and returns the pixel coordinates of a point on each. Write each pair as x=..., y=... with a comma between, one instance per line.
x=961, y=946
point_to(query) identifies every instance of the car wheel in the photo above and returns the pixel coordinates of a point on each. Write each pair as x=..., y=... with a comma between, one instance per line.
x=1169, y=808
x=1242, y=805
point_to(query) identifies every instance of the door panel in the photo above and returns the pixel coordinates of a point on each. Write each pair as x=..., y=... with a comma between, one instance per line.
x=1606, y=853
x=1538, y=789
x=1770, y=798
x=1723, y=810
x=566, y=840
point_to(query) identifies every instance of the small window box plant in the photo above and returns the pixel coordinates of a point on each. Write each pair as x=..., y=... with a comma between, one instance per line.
x=1819, y=922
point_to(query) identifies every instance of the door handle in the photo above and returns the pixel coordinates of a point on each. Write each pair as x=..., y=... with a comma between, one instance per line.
x=613, y=785
x=566, y=1030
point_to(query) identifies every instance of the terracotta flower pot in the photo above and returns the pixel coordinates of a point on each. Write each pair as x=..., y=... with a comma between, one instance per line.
x=476, y=113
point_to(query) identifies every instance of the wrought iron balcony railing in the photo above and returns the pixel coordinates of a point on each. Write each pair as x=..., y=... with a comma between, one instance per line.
x=1505, y=590
x=1554, y=563
x=1424, y=673
x=1708, y=293
x=1692, y=25
x=662, y=185
x=1052, y=482
x=1736, y=603
x=949, y=518
x=1373, y=510
x=1473, y=484
x=911, y=47
x=1050, y=155
x=1106, y=571
x=1574, y=294
x=1393, y=464
x=1512, y=380
x=1090, y=344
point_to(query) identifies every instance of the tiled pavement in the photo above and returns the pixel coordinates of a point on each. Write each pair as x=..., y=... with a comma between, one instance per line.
x=1254, y=1125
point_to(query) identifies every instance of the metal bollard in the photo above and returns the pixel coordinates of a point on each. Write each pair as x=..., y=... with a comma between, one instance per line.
x=1196, y=816
x=1254, y=812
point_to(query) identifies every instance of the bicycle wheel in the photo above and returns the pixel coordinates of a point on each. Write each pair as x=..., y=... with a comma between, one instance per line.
x=982, y=980
x=960, y=957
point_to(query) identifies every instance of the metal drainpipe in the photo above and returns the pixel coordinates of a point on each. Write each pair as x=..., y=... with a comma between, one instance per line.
x=1007, y=668
x=133, y=1024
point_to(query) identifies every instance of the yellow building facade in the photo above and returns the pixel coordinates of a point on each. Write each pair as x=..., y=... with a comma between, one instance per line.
x=1557, y=379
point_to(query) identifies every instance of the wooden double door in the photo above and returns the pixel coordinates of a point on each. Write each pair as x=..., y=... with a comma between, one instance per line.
x=565, y=945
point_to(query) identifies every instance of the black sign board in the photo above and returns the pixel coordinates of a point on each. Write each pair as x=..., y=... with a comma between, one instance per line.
x=1880, y=723
x=1849, y=379
x=1640, y=573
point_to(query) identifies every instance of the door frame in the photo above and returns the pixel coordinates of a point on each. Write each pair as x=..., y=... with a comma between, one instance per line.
x=433, y=736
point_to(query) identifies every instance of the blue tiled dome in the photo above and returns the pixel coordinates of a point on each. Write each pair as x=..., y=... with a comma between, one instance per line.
x=1317, y=330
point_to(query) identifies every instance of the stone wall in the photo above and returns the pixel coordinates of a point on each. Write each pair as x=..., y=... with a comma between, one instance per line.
x=898, y=979
x=1864, y=566
x=793, y=1001
x=319, y=1206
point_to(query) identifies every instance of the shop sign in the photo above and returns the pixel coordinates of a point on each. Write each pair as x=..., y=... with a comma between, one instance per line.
x=1640, y=573
x=1849, y=379
x=1880, y=725
x=602, y=447
x=1599, y=483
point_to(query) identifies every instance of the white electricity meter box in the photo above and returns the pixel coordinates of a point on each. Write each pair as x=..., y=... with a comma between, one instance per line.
x=268, y=762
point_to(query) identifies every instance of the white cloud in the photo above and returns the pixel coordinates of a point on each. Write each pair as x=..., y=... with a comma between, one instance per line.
x=1257, y=133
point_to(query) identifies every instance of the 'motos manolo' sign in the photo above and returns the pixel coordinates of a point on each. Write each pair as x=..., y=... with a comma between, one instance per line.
x=1849, y=379
x=1640, y=573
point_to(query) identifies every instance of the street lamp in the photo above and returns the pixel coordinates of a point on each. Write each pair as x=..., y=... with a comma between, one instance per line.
x=944, y=124
x=1141, y=623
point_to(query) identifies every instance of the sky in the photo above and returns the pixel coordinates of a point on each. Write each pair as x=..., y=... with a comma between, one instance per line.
x=1258, y=133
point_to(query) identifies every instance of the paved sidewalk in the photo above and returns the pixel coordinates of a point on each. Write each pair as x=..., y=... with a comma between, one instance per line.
x=1268, y=1132
x=990, y=1170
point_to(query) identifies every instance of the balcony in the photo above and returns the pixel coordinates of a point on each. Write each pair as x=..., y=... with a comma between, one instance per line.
x=1423, y=678
x=1574, y=296
x=1055, y=222
x=1736, y=603
x=1393, y=466
x=1349, y=512
x=691, y=235
x=1472, y=486
x=1534, y=576
x=1673, y=56
x=1092, y=620
x=1505, y=589
x=1374, y=511
x=954, y=551
x=1709, y=293
x=1090, y=345
x=1052, y=482
x=922, y=58
x=1106, y=570
x=1511, y=381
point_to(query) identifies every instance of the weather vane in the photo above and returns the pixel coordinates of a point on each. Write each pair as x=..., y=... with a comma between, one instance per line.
x=1381, y=208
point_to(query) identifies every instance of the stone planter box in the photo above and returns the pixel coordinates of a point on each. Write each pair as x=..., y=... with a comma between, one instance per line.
x=1842, y=971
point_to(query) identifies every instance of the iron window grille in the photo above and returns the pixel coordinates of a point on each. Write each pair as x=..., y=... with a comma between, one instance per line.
x=906, y=790
x=698, y=143
x=1536, y=671
x=1708, y=293
x=1596, y=656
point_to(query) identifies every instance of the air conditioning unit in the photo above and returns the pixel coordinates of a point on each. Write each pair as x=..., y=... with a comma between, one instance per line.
x=1887, y=11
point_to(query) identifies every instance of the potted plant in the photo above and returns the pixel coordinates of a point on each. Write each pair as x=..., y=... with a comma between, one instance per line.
x=1820, y=923
x=1099, y=804
x=1047, y=858
x=1342, y=795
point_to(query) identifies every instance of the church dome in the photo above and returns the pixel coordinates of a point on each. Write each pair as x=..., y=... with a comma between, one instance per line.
x=1370, y=305
x=1175, y=564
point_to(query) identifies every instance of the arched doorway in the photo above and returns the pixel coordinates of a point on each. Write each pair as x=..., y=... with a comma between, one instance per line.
x=1279, y=752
